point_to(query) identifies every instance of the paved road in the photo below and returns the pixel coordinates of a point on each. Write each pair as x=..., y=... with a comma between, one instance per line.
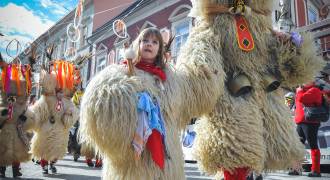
x=68, y=169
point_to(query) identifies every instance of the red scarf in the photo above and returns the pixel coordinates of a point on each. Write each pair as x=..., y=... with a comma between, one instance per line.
x=150, y=68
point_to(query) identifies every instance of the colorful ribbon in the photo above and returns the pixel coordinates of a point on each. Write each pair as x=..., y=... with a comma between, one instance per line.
x=10, y=110
x=65, y=74
x=243, y=34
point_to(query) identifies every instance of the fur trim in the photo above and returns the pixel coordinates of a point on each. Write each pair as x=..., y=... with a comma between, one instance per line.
x=298, y=65
x=108, y=115
x=12, y=147
x=199, y=7
x=50, y=140
x=256, y=130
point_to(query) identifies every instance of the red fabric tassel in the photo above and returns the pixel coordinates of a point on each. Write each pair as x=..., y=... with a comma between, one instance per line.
x=156, y=148
x=316, y=158
x=10, y=110
x=238, y=174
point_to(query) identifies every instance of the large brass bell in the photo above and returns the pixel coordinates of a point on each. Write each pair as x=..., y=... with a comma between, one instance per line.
x=239, y=85
x=270, y=83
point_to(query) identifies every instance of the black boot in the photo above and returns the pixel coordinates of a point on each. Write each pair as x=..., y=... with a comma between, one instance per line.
x=52, y=168
x=16, y=172
x=76, y=156
x=250, y=177
x=294, y=173
x=45, y=169
x=2, y=171
x=314, y=174
x=259, y=177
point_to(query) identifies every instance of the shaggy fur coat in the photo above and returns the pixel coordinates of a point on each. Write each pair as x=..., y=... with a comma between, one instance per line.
x=50, y=140
x=255, y=131
x=12, y=147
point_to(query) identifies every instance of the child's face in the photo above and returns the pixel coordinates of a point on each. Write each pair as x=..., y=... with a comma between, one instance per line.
x=149, y=47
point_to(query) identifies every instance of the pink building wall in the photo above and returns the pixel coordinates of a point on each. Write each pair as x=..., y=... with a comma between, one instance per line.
x=116, y=6
x=160, y=19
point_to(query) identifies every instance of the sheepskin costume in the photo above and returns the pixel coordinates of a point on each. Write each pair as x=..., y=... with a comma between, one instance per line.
x=254, y=131
x=14, y=143
x=52, y=126
x=109, y=115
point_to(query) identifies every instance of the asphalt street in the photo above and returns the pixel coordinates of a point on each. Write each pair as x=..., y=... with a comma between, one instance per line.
x=68, y=169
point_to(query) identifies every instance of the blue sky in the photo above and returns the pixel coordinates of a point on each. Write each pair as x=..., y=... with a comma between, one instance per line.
x=26, y=20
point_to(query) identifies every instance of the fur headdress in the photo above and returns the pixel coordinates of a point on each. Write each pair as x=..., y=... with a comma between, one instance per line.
x=205, y=8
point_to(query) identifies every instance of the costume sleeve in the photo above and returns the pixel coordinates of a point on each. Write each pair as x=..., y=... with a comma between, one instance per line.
x=71, y=116
x=298, y=63
x=199, y=61
x=30, y=122
x=108, y=112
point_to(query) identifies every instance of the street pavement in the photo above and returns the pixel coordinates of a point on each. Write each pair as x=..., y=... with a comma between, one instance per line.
x=68, y=169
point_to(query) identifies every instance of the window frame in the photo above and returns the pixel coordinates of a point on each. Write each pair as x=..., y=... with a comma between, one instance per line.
x=311, y=9
x=175, y=24
x=119, y=46
x=176, y=20
x=102, y=52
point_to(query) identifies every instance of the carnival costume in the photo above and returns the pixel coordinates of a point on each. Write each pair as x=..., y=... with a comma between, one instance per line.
x=242, y=128
x=250, y=128
x=15, y=118
x=55, y=114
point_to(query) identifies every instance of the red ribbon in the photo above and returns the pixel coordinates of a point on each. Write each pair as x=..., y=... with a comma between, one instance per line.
x=58, y=105
x=150, y=68
x=10, y=110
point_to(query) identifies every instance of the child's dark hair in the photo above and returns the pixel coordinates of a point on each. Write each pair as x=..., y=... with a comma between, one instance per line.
x=152, y=31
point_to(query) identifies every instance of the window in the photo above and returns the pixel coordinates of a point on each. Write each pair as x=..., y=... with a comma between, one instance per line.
x=84, y=35
x=56, y=52
x=120, y=48
x=120, y=52
x=111, y=57
x=102, y=57
x=181, y=32
x=312, y=15
x=101, y=63
x=83, y=74
x=181, y=25
x=63, y=47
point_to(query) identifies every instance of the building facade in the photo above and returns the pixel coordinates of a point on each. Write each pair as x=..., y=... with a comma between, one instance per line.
x=289, y=15
x=163, y=14
x=64, y=48
x=306, y=15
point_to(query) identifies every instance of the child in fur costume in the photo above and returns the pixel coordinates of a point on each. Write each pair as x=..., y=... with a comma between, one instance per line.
x=55, y=114
x=114, y=115
x=15, y=119
x=236, y=133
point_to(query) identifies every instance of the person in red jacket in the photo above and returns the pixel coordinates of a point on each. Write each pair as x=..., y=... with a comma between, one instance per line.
x=309, y=95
